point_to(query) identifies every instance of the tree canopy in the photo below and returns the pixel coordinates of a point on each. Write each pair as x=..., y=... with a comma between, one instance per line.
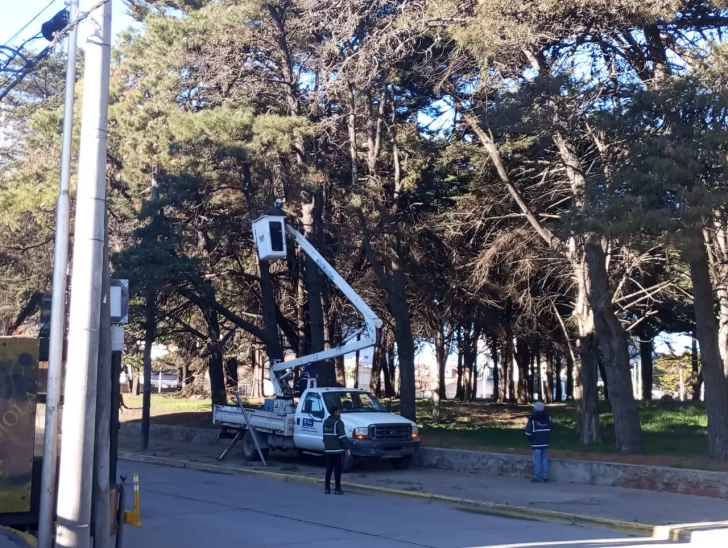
x=544, y=179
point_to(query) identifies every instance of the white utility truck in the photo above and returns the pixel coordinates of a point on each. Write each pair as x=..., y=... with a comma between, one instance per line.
x=373, y=432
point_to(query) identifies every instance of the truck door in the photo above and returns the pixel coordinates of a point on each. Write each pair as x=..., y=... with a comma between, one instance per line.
x=308, y=432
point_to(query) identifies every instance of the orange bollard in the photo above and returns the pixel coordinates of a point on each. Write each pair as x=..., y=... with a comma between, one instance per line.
x=134, y=517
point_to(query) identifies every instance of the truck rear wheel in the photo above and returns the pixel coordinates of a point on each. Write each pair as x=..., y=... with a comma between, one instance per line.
x=402, y=463
x=249, y=451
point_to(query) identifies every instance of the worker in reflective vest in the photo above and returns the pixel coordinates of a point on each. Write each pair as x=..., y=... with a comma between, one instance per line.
x=335, y=447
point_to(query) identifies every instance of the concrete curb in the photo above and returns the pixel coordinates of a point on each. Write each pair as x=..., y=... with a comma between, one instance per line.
x=667, y=532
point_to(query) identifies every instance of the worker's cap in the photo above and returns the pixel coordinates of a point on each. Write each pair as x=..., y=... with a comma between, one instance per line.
x=539, y=406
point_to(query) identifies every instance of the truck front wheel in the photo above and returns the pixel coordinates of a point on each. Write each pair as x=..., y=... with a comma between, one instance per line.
x=402, y=463
x=249, y=451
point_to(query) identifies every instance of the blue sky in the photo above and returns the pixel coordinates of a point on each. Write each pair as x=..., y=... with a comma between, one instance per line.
x=17, y=14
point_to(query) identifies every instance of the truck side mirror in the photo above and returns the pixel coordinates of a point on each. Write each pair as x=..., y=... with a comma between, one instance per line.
x=389, y=406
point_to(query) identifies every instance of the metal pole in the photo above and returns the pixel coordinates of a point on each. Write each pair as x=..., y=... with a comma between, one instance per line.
x=251, y=429
x=120, y=513
x=117, y=345
x=58, y=306
x=76, y=472
x=101, y=514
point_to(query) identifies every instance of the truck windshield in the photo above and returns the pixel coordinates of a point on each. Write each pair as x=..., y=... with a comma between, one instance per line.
x=353, y=402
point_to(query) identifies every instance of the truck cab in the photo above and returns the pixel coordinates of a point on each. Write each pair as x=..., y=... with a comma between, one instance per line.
x=372, y=431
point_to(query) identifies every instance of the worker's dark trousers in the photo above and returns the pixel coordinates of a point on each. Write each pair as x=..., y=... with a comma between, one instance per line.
x=334, y=463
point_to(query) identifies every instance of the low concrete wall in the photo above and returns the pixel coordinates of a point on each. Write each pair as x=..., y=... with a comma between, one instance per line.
x=162, y=432
x=605, y=474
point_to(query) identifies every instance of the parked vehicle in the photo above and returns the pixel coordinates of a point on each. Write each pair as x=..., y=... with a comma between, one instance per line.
x=372, y=431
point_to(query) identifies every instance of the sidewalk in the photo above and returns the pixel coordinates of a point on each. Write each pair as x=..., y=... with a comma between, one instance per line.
x=605, y=503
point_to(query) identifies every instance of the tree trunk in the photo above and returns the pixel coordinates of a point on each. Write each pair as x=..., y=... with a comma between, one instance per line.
x=508, y=377
x=217, y=376
x=537, y=372
x=301, y=318
x=584, y=363
x=593, y=283
x=549, y=377
x=615, y=350
x=231, y=373
x=472, y=364
x=149, y=336
x=723, y=329
x=440, y=361
x=531, y=374
x=215, y=361
x=388, y=364
x=496, y=372
x=716, y=391
x=357, y=365
x=388, y=380
x=376, y=362
x=646, y=366
x=403, y=333
x=523, y=359
x=441, y=352
x=559, y=386
x=718, y=241
x=257, y=368
x=270, y=320
x=585, y=391
x=696, y=368
x=473, y=378
x=569, y=377
x=460, y=390
x=332, y=334
x=311, y=213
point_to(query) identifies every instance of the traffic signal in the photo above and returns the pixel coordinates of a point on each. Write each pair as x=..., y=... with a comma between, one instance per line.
x=52, y=26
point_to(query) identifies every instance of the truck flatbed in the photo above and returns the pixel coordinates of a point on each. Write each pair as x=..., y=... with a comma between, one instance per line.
x=263, y=421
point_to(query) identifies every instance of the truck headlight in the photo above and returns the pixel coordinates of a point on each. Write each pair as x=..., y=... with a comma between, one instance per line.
x=361, y=433
x=415, y=433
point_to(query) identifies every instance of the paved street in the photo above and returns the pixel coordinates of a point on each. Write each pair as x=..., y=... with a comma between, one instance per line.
x=631, y=505
x=190, y=509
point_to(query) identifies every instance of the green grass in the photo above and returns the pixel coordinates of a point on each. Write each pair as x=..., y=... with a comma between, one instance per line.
x=674, y=434
x=170, y=402
x=679, y=430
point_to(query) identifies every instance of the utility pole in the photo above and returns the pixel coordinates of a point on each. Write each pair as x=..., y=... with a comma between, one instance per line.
x=58, y=306
x=101, y=496
x=76, y=472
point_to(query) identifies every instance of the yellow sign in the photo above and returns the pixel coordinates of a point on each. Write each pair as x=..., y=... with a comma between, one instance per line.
x=18, y=394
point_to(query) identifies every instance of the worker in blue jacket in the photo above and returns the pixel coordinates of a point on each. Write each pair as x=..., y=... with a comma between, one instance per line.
x=538, y=431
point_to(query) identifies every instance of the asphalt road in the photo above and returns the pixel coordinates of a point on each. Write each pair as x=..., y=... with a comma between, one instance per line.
x=189, y=509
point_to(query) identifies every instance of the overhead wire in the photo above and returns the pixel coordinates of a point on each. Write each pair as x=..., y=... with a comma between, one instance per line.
x=25, y=71
x=48, y=49
x=14, y=36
